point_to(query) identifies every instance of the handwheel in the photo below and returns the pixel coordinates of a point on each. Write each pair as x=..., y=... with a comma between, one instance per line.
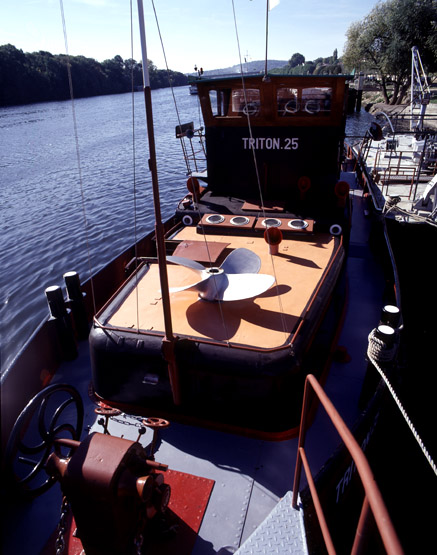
x=55, y=412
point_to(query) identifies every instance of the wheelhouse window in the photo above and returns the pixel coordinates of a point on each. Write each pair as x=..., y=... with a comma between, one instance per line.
x=303, y=102
x=288, y=101
x=219, y=100
x=246, y=102
x=317, y=100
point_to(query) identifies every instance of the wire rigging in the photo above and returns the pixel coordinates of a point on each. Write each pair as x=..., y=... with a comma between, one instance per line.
x=188, y=165
x=134, y=173
x=79, y=165
x=261, y=196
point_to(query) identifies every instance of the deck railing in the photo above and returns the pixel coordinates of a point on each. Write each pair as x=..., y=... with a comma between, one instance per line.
x=397, y=173
x=373, y=502
x=195, y=157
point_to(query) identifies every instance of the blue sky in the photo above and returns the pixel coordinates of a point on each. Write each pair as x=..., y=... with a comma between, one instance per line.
x=198, y=32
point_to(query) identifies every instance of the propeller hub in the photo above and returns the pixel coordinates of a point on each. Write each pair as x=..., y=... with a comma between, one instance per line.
x=214, y=271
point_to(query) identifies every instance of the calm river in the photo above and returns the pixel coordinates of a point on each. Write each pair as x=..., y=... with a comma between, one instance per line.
x=42, y=225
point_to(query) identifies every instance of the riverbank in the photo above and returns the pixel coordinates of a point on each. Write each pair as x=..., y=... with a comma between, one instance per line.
x=404, y=109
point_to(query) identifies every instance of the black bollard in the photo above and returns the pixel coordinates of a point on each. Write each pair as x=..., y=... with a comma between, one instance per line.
x=75, y=302
x=61, y=319
x=387, y=334
x=390, y=316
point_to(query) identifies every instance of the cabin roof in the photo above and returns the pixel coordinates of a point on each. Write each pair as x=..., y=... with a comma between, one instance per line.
x=249, y=322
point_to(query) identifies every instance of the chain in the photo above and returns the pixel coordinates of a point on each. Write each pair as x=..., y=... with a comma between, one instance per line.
x=137, y=424
x=138, y=542
x=62, y=527
x=139, y=538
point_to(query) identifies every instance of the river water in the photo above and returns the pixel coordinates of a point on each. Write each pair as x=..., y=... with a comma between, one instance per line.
x=41, y=191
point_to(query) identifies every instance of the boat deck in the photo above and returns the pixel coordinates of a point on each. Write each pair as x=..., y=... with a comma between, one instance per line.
x=250, y=475
x=394, y=163
x=267, y=320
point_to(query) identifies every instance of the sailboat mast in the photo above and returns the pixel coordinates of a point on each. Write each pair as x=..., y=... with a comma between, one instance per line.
x=169, y=339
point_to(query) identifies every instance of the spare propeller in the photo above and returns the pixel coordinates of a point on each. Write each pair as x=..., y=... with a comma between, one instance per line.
x=226, y=283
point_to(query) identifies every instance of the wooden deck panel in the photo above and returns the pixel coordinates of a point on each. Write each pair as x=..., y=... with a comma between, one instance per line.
x=266, y=320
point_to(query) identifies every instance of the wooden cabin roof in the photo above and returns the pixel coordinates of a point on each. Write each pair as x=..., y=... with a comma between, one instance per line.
x=268, y=320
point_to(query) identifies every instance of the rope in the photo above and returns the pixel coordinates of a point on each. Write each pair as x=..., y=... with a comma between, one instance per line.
x=166, y=64
x=390, y=205
x=281, y=308
x=379, y=353
x=222, y=317
x=134, y=172
x=378, y=349
x=76, y=139
x=254, y=156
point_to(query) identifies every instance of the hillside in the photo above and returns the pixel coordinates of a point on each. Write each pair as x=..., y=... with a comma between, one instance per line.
x=249, y=67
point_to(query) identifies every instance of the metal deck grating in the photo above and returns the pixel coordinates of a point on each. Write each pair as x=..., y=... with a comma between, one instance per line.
x=281, y=532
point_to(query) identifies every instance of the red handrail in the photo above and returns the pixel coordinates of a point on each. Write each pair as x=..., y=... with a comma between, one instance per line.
x=372, y=499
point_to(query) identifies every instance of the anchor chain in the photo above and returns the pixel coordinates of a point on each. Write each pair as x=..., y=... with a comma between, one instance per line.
x=62, y=526
x=139, y=537
x=138, y=542
x=137, y=424
x=112, y=415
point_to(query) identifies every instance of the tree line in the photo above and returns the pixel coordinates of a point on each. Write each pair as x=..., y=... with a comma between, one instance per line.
x=297, y=65
x=41, y=76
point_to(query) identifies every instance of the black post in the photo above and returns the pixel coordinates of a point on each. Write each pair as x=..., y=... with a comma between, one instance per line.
x=75, y=301
x=61, y=319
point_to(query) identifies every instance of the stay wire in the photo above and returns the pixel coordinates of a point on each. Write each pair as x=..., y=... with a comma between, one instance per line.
x=166, y=64
x=189, y=168
x=134, y=172
x=79, y=165
x=281, y=307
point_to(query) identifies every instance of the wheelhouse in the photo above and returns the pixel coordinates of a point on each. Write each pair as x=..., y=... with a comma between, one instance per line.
x=283, y=134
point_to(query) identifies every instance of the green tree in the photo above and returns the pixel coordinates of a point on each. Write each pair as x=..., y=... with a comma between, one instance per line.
x=296, y=60
x=13, y=75
x=382, y=42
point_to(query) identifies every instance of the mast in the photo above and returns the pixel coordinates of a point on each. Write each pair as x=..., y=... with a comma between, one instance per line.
x=169, y=339
x=267, y=37
x=270, y=4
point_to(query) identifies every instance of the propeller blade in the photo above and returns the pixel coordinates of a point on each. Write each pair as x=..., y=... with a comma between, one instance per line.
x=186, y=262
x=241, y=261
x=247, y=287
x=235, y=280
x=192, y=287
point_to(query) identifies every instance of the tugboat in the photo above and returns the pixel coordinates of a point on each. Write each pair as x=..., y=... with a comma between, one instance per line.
x=209, y=335
x=254, y=265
